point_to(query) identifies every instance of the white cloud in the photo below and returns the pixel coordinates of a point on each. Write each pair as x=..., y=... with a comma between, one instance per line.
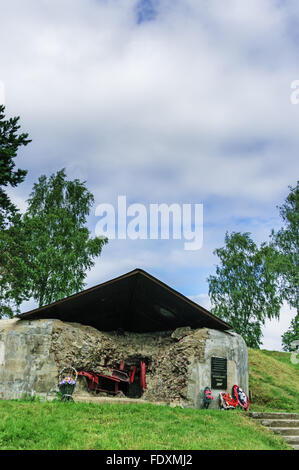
x=203, y=300
x=274, y=329
x=193, y=107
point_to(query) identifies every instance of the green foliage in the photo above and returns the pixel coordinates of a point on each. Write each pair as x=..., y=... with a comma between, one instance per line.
x=57, y=245
x=286, y=242
x=14, y=280
x=32, y=398
x=244, y=290
x=10, y=142
x=48, y=250
x=290, y=339
x=11, y=269
x=58, y=397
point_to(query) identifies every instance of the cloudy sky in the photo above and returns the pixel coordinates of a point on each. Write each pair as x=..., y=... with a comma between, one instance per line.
x=163, y=101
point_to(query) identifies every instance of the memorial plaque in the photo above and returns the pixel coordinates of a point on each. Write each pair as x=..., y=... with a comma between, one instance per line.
x=219, y=373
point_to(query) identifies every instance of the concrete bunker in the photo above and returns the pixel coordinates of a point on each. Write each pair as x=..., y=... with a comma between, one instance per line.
x=132, y=337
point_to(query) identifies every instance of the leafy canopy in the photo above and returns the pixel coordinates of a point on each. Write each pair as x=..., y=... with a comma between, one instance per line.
x=244, y=290
x=290, y=339
x=48, y=250
x=56, y=240
x=286, y=242
x=14, y=280
x=10, y=142
x=11, y=268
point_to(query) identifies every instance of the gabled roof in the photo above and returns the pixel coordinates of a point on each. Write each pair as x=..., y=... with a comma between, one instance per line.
x=135, y=301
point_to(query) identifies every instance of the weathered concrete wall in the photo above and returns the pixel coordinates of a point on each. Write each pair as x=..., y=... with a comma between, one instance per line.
x=33, y=352
x=224, y=345
x=26, y=363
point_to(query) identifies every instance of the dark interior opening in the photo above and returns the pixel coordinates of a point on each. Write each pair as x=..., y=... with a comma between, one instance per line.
x=129, y=379
x=134, y=389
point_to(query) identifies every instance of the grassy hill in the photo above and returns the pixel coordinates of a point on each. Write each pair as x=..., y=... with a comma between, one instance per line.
x=274, y=384
x=273, y=381
x=112, y=426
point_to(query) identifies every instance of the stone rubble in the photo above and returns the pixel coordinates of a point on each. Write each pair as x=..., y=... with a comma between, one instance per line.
x=168, y=355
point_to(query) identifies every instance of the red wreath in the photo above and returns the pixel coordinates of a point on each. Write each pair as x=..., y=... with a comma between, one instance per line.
x=236, y=390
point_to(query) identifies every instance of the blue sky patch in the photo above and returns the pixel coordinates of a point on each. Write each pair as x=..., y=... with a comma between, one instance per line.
x=146, y=10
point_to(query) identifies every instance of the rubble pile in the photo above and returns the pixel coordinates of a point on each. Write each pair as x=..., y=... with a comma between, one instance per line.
x=168, y=378
x=168, y=355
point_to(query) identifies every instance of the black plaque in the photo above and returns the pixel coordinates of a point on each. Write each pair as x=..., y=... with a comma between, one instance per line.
x=219, y=373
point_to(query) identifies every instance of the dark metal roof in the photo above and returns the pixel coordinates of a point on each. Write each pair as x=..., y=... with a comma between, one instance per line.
x=135, y=301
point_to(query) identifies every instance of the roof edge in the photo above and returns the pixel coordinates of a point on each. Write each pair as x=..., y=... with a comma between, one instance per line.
x=123, y=276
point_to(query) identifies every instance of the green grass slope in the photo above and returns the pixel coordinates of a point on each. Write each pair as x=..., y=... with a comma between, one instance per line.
x=84, y=426
x=37, y=425
x=273, y=381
